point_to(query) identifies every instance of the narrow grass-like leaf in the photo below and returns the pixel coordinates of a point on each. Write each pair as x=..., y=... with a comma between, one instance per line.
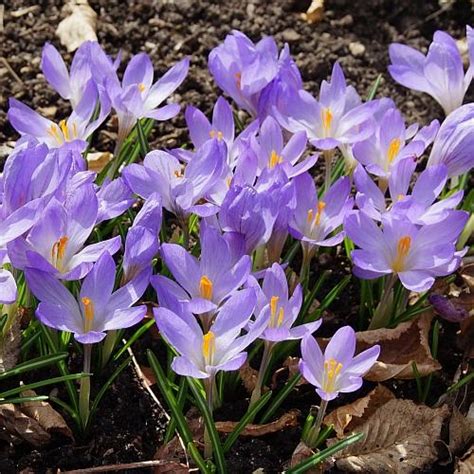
x=434, y=353
x=465, y=380
x=324, y=454
x=210, y=425
x=373, y=88
x=280, y=398
x=196, y=455
x=33, y=364
x=182, y=394
x=38, y=398
x=142, y=139
x=135, y=336
x=331, y=296
x=245, y=420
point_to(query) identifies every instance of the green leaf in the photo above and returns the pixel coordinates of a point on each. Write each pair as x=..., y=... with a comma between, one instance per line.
x=135, y=336
x=38, y=398
x=210, y=425
x=324, y=454
x=245, y=420
x=33, y=364
x=374, y=87
x=144, y=147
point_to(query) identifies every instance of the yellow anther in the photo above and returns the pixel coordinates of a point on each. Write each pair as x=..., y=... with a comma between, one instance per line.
x=276, y=314
x=321, y=206
x=401, y=197
x=238, y=79
x=326, y=116
x=393, y=150
x=141, y=87
x=216, y=134
x=281, y=316
x=403, y=247
x=205, y=287
x=88, y=313
x=178, y=174
x=58, y=251
x=54, y=132
x=332, y=369
x=275, y=159
x=208, y=347
x=310, y=216
x=228, y=181
x=64, y=128
x=74, y=129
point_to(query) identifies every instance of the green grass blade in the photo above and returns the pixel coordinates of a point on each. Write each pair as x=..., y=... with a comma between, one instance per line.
x=34, y=364
x=39, y=398
x=135, y=336
x=373, y=89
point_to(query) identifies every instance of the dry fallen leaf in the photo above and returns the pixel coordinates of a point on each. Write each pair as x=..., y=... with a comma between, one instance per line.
x=97, y=161
x=45, y=415
x=467, y=274
x=248, y=376
x=315, y=12
x=461, y=430
x=18, y=424
x=465, y=465
x=301, y=453
x=288, y=420
x=10, y=346
x=79, y=26
x=348, y=417
x=399, y=438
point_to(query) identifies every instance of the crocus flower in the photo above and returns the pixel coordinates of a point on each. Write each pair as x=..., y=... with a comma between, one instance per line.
x=182, y=192
x=314, y=219
x=388, y=145
x=8, y=288
x=243, y=69
x=337, y=370
x=202, y=355
x=448, y=308
x=211, y=279
x=114, y=198
x=418, y=206
x=71, y=132
x=142, y=244
x=55, y=244
x=281, y=310
x=338, y=117
x=272, y=153
x=416, y=254
x=455, y=141
x=440, y=73
x=137, y=97
x=97, y=310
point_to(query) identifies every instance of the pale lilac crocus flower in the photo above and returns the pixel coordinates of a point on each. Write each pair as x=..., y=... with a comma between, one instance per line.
x=98, y=308
x=440, y=73
x=389, y=144
x=114, y=198
x=55, y=244
x=454, y=143
x=417, y=255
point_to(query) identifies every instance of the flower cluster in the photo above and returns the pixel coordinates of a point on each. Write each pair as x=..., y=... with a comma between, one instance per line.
x=212, y=227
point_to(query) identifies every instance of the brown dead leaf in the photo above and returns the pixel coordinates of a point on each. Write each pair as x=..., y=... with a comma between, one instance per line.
x=399, y=438
x=465, y=338
x=97, y=161
x=22, y=426
x=10, y=346
x=467, y=274
x=147, y=375
x=461, y=430
x=79, y=26
x=48, y=418
x=171, y=467
x=315, y=12
x=348, y=417
x=465, y=465
x=249, y=376
x=288, y=420
x=301, y=453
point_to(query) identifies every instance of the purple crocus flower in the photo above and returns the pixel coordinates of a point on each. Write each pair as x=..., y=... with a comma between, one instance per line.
x=114, y=198
x=137, y=97
x=448, y=309
x=314, y=219
x=338, y=117
x=337, y=370
x=440, y=73
x=281, y=310
x=142, y=244
x=203, y=354
x=55, y=244
x=243, y=69
x=455, y=141
x=388, y=145
x=97, y=310
x=416, y=254
x=272, y=153
x=418, y=206
x=8, y=288
x=211, y=279
x=181, y=191
x=71, y=132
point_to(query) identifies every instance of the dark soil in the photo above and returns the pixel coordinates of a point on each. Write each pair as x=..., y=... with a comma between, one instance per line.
x=129, y=426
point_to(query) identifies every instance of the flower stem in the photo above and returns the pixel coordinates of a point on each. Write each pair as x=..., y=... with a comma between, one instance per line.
x=85, y=388
x=209, y=385
x=313, y=432
x=108, y=347
x=328, y=156
x=384, y=308
x=308, y=254
x=266, y=356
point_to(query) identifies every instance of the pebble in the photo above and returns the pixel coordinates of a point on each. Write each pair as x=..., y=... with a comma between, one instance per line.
x=290, y=35
x=356, y=49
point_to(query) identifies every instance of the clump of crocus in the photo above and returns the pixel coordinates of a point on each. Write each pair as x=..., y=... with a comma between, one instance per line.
x=440, y=73
x=281, y=311
x=336, y=371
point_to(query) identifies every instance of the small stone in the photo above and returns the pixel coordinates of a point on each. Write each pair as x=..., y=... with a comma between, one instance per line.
x=356, y=49
x=290, y=35
x=346, y=20
x=250, y=10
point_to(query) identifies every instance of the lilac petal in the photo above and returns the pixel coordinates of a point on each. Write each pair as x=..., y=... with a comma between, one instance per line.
x=416, y=280
x=447, y=230
x=363, y=362
x=275, y=283
x=130, y=293
x=198, y=126
x=223, y=119
x=139, y=71
x=124, y=318
x=307, y=372
x=26, y=120
x=170, y=294
x=201, y=306
x=302, y=330
x=55, y=71
x=447, y=309
x=363, y=231
x=366, y=185
x=92, y=252
x=140, y=180
x=235, y=363
x=313, y=360
x=215, y=255
x=276, y=334
x=59, y=317
x=341, y=347
x=327, y=396
x=164, y=113
x=8, y=290
x=367, y=274
x=184, y=366
x=19, y=222
x=91, y=337
x=400, y=177
x=429, y=184
x=348, y=383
